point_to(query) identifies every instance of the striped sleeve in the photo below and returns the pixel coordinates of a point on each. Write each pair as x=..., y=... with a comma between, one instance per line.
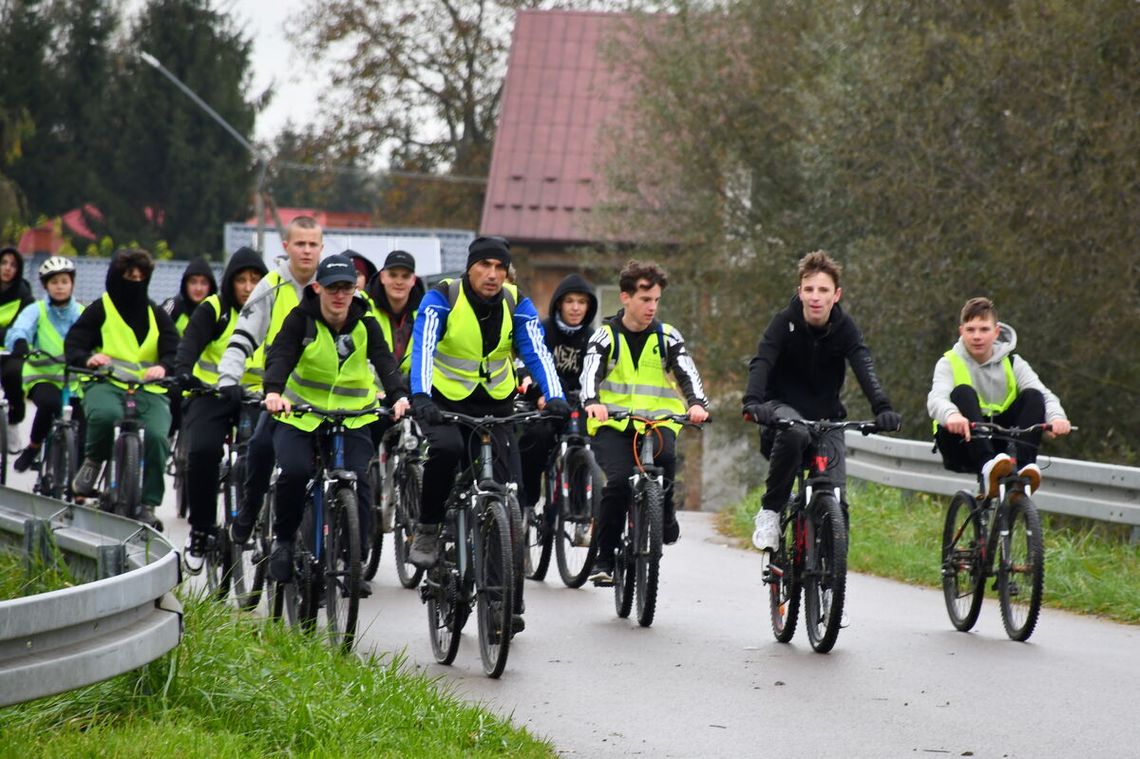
x=530, y=342
x=594, y=365
x=685, y=369
x=426, y=333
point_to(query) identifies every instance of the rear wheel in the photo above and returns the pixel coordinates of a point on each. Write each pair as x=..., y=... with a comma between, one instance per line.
x=537, y=534
x=444, y=601
x=494, y=583
x=647, y=546
x=783, y=579
x=342, y=568
x=575, y=544
x=218, y=564
x=410, y=484
x=376, y=529
x=1021, y=571
x=963, y=570
x=825, y=575
x=257, y=557
x=625, y=566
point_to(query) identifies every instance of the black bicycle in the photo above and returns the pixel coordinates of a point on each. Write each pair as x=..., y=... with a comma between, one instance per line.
x=637, y=564
x=811, y=557
x=478, y=564
x=999, y=537
x=58, y=457
x=327, y=560
x=397, y=476
x=120, y=487
x=565, y=517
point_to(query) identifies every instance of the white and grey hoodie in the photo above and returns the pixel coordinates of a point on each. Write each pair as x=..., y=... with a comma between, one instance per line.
x=253, y=323
x=988, y=378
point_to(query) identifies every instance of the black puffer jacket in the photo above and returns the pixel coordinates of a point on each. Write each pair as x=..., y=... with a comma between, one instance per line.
x=18, y=290
x=804, y=367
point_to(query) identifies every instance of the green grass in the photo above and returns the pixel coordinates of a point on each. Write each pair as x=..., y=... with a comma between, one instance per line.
x=1090, y=567
x=240, y=687
x=16, y=581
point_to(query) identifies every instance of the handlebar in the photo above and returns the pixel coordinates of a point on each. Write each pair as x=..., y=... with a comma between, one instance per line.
x=106, y=373
x=991, y=428
x=620, y=414
x=492, y=421
x=825, y=425
x=336, y=415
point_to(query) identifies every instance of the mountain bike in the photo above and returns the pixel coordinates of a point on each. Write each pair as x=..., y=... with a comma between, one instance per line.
x=327, y=558
x=478, y=564
x=811, y=557
x=997, y=537
x=564, y=518
x=120, y=487
x=397, y=475
x=58, y=457
x=637, y=564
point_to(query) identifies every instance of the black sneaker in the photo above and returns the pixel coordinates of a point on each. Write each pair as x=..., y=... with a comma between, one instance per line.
x=518, y=624
x=26, y=459
x=603, y=574
x=240, y=531
x=671, y=532
x=145, y=514
x=422, y=554
x=281, y=561
x=87, y=478
x=364, y=589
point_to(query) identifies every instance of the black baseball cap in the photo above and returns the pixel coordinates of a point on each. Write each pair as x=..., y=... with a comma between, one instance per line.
x=334, y=269
x=400, y=259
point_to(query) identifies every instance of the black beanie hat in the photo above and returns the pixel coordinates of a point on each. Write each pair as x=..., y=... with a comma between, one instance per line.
x=484, y=248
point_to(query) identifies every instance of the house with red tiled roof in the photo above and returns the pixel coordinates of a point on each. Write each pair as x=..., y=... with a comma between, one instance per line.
x=546, y=178
x=48, y=237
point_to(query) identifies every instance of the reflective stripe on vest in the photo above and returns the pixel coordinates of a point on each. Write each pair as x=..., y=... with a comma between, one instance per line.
x=206, y=368
x=283, y=302
x=129, y=358
x=645, y=390
x=9, y=311
x=39, y=369
x=459, y=366
x=321, y=380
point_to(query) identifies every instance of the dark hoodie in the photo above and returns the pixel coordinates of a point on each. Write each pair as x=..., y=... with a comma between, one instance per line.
x=19, y=289
x=300, y=325
x=181, y=305
x=402, y=322
x=205, y=327
x=568, y=344
x=369, y=267
x=804, y=366
x=130, y=299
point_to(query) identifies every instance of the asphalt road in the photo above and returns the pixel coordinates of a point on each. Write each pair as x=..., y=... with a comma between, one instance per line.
x=707, y=679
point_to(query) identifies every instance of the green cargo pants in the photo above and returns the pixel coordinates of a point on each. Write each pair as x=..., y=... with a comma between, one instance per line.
x=103, y=405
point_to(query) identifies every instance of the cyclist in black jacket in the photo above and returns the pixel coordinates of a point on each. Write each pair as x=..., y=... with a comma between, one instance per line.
x=797, y=373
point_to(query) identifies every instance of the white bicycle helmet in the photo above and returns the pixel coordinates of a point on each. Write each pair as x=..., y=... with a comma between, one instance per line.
x=56, y=265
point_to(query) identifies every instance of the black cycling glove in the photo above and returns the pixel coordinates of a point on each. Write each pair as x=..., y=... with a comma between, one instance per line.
x=425, y=409
x=558, y=407
x=761, y=413
x=888, y=420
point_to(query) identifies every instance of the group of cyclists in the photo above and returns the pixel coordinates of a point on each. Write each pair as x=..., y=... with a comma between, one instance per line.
x=339, y=334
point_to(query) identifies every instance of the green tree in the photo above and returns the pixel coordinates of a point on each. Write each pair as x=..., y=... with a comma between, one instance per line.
x=25, y=29
x=176, y=174
x=307, y=171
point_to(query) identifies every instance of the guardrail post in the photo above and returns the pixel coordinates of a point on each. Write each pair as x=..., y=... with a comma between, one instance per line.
x=1135, y=535
x=112, y=560
x=37, y=545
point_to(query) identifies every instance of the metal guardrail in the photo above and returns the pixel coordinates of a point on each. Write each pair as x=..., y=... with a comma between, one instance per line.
x=1078, y=488
x=122, y=617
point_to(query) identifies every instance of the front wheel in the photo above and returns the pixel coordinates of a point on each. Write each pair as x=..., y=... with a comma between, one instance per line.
x=537, y=534
x=825, y=573
x=647, y=546
x=127, y=481
x=1021, y=571
x=342, y=547
x=575, y=530
x=963, y=569
x=494, y=583
x=410, y=478
x=3, y=443
x=782, y=576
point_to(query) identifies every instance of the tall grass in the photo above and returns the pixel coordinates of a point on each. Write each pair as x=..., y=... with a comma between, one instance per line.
x=1090, y=567
x=239, y=686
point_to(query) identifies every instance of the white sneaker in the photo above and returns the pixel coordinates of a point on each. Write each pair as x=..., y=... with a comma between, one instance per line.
x=192, y=556
x=14, y=445
x=766, y=536
x=993, y=470
x=1031, y=472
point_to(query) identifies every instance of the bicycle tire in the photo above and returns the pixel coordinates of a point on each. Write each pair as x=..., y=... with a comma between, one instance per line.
x=537, y=535
x=441, y=592
x=52, y=467
x=409, y=482
x=241, y=561
x=262, y=543
x=494, y=583
x=4, y=443
x=69, y=465
x=376, y=529
x=785, y=587
x=1021, y=568
x=178, y=461
x=343, y=569
x=219, y=565
x=625, y=570
x=514, y=512
x=575, y=530
x=307, y=574
x=128, y=474
x=825, y=575
x=648, y=546
x=963, y=570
